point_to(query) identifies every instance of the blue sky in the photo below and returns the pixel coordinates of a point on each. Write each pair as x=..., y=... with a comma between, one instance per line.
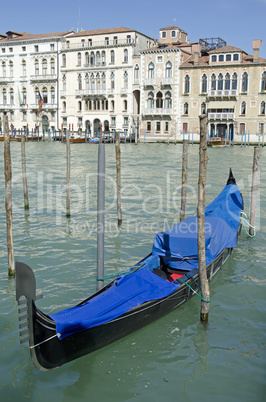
x=235, y=21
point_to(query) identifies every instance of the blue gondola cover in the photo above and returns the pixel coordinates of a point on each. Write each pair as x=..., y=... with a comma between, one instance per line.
x=177, y=247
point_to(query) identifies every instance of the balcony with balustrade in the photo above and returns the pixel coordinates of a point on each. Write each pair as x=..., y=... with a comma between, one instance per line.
x=221, y=116
x=43, y=78
x=222, y=93
x=157, y=111
x=91, y=92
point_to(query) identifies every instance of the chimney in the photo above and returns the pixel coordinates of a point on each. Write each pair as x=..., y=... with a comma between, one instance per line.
x=256, y=45
x=197, y=52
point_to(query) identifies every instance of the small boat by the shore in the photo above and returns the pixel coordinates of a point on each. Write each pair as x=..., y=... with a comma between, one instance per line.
x=218, y=142
x=162, y=281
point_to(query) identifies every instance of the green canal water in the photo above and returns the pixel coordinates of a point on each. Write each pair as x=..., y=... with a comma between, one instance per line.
x=173, y=359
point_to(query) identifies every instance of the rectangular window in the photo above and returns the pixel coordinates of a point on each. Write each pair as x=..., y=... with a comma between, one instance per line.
x=214, y=58
x=3, y=50
x=128, y=38
x=90, y=42
x=159, y=59
x=113, y=121
x=221, y=57
x=23, y=48
x=166, y=126
x=107, y=40
x=115, y=40
x=158, y=126
x=228, y=57
x=148, y=126
x=52, y=47
x=235, y=57
x=82, y=42
x=24, y=116
x=11, y=50
x=36, y=48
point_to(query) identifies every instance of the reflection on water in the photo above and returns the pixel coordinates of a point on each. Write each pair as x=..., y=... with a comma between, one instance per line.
x=175, y=356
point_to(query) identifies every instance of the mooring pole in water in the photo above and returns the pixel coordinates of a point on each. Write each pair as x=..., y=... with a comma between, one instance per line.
x=203, y=159
x=8, y=190
x=24, y=175
x=67, y=175
x=254, y=190
x=100, y=215
x=184, y=180
x=118, y=179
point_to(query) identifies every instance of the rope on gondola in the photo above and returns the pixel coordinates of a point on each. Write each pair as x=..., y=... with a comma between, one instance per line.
x=194, y=291
x=46, y=340
x=245, y=221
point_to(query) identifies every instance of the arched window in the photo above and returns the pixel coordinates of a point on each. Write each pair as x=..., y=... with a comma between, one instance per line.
x=37, y=67
x=187, y=84
x=112, y=56
x=203, y=108
x=87, y=81
x=245, y=82
x=234, y=81
x=64, y=83
x=150, y=102
x=4, y=96
x=98, y=58
x=112, y=105
x=204, y=83
x=213, y=82
x=103, y=81
x=227, y=81
x=87, y=58
x=125, y=80
x=79, y=82
x=37, y=95
x=24, y=96
x=24, y=71
x=151, y=70
x=103, y=58
x=11, y=70
x=159, y=100
x=63, y=60
x=168, y=70
x=168, y=100
x=243, y=108
x=262, y=108
x=44, y=67
x=125, y=56
x=4, y=69
x=79, y=106
x=11, y=96
x=45, y=95
x=263, y=82
x=185, y=108
x=79, y=59
x=220, y=82
x=92, y=59
x=52, y=66
x=92, y=82
x=112, y=80
x=64, y=106
x=125, y=105
x=53, y=95
x=136, y=72
x=98, y=81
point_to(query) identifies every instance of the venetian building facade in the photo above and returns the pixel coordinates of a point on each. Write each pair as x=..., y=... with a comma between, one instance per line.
x=228, y=85
x=29, y=65
x=159, y=81
x=96, y=85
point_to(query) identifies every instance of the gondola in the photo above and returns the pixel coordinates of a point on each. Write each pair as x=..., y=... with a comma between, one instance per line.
x=163, y=280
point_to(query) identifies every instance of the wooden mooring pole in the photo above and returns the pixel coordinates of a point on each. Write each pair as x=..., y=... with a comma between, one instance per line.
x=118, y=179
x=8, y=190
x=24, y=175
x=254, y=190
x=100, y=215
x=67, y=175
x=184, y=180
x=203, y=159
